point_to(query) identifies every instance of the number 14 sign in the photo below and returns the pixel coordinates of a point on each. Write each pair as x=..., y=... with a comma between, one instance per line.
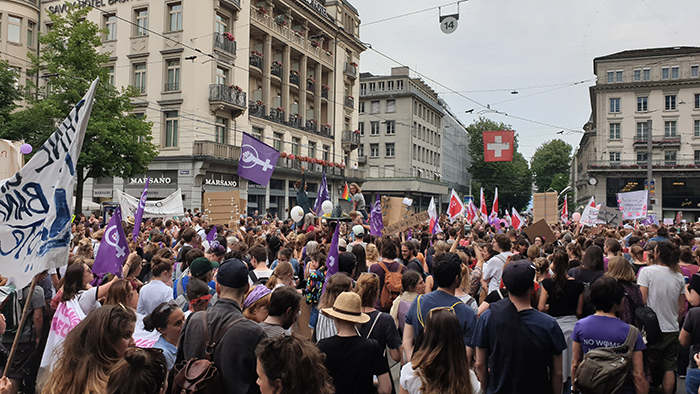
x=448, y=23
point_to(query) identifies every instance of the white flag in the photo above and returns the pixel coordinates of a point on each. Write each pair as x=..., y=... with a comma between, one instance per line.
x=35, y=210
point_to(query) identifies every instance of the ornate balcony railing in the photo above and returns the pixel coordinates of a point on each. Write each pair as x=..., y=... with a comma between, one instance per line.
x=349, y=102
x=641, y=165
x=256, y=61
x=171, y=87
x=276, y=69
x=277, y=115
x=350, y=69
x=222, y=42
x=294, y=78
x=311, y=126
x=324, y=92
x=257, y=110
x=658, y=140
x=215, y=149
x=296, y=121
x=311, y=86
x=227, y=94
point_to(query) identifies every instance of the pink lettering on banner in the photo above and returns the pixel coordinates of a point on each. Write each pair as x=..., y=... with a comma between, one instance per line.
x=64, y=320
x=144, y=343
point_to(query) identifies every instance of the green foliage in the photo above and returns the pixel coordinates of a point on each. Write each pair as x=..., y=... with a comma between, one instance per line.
x=9, y=93
x=116, y=143
x=513, y=179
x=551, y=164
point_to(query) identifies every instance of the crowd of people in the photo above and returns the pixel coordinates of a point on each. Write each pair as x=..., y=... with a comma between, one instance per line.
x=470, y=309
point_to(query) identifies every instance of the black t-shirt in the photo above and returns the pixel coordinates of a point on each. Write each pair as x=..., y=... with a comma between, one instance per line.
x=585, y=275
x=692, y=325
x=384, y=331
x=565, y=303
x=351, y=362
x=496, y=295
x=417, y=266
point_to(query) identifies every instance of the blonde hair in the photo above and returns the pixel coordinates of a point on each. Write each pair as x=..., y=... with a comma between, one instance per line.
x=367, y=287
x=282, y=270
x=619, y=268
x=372, y=252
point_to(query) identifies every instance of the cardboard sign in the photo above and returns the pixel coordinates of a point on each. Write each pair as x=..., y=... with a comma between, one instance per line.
x=394, y=210
x=221, y=207
x=540, y=229
x=610, y=216
x=413, y=220
x=545, y=206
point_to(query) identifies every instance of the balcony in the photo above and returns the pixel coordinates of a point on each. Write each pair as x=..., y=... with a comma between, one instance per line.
x=140, y=88
x=641, y=165
x=311, y=126
x=296, y=121
x=217, y=150
x=350, y=69
x=256, y=61
x=361, y=159
x=171, y=87
x=657, y=140
x=351, y=139
x=276, y=69
x=277, y=115
x=294, y=78
x=354, y=173
x=324, y=92
x=350, y=102
x=326, y=130
x=257, y=109
x=225, y=42
x=310, y=86
x=236, y=3
x=227, y=97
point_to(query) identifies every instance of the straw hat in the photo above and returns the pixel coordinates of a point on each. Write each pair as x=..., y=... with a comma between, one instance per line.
x=348, y=307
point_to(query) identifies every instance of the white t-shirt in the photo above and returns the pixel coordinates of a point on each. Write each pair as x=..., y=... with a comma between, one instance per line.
x=411, y=382
x=493, y=270
x=152, y=295
x=665, y=286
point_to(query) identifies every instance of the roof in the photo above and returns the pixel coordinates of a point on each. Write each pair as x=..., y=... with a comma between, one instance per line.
x=650, y=52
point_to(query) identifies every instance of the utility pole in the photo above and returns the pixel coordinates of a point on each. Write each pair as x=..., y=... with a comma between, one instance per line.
x=649, y=148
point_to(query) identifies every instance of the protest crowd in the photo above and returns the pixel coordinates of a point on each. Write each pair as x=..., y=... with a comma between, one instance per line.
x=322, y=306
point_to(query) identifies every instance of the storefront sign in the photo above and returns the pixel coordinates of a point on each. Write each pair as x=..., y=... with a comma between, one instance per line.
x=221, y=182
x=102, y=193
x=61, y=8
x=318, y=7
x=154, y=181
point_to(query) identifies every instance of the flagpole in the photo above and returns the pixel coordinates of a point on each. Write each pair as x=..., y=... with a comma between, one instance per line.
x=25, y=313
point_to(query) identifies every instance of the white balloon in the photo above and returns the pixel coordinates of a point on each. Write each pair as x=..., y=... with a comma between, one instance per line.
x=297, y=213
x=327, y=207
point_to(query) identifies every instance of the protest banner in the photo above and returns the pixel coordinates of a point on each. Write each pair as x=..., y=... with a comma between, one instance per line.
x=169, y=207
x=35, y=216
x=540, y=229
x=609, y=216
x=394, y=210
x=10, y=158
x=406, y=224
x=589, y=217
x=221, y=207
x=633, y=204
x=544, y=206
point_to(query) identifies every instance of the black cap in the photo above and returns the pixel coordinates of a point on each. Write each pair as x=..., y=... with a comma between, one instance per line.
x=232, y=273
x=519, y=277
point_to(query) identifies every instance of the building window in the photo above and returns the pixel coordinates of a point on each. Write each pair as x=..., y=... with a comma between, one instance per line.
x=614, y=105
x=372, y=87
x=642, y=131
x=296, y=143
x=646, y=74
x=614, y=76
x=221, y=131
x=665, y=72
x=221, y=24
x=361, y=150
x=670, y=157
x=693, y=71
x=361, y=107
x=374, y=128
x=221, y=76
x=277, y=141
x=390, y=127
x=380, y=86
x=140, y=77
x=670, y=128
x=697, y=157
x=312, y=149
x=31, y=27
x=389, y=149
x=173, y=75
x=361, y=127
x=257, y=133
x=697, y=101
x=614, y=131
x=642, y=104
x=399, y=85
x=326, y=152
x=637, y=75
x=111, y=26
x=670, y=102
x=110, y=72
x=390, y=85
x=374, y=107
x=171, y=129
x=373, y=150
x=697, y=127
x=390, y=106
x=175, y=17
x=363, y=89
x=13, y=30
x=141, y=22
x=675, y=72
x=641, y=158
x=414, y=151
x=614, y=157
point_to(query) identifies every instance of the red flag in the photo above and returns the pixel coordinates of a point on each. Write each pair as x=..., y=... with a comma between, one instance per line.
x=482, y=208
x=472, y=212
x=456, y=206
x=494, y=207
x=565, y=212
x=498, y=145
x=517, y=220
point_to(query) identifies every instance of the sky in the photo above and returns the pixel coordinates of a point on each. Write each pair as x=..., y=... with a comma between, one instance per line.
x=543, y=49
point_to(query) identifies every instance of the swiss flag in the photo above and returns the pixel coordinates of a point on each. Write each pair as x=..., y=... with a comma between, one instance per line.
x=482, y=207
x=498, y=145
x=517, y=220
x=456, y=206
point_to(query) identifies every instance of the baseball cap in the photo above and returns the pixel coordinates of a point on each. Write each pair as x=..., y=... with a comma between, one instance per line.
x=232, y=273
x=519, y=276
x=358, y=230
x=342, y=245
x=202, y=265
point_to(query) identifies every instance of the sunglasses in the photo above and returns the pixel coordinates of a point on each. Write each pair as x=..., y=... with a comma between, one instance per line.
x=442, y=308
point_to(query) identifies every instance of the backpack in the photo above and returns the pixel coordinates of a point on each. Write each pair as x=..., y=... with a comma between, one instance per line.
x=605, y=370
x=200, y=375
x=418, y=341
x=11, y=308
x=392, y=286
x=648, y=323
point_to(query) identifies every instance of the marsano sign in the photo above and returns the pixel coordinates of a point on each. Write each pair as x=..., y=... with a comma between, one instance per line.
x=220, y=182
x=61, y=8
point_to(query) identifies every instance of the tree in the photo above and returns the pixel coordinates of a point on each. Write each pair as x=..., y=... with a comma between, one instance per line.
x=116, y=144
x=552, y=162
x=9, y=93
x=513, y=179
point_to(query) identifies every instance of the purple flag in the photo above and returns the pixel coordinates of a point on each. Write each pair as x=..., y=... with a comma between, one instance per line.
x=650, y=219
x=376, y=222
x=113, y=248
x=212, y=234
x=322, y=195
x=410, y=234
x=332, y=260
x=257, y=161
x=138, y=216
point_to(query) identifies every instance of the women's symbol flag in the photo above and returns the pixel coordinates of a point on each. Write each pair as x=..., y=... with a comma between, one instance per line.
x=114, y=248
x=138, y=216
x=257, y=161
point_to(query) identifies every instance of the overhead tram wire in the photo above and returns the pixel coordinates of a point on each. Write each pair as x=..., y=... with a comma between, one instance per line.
x=413, y=13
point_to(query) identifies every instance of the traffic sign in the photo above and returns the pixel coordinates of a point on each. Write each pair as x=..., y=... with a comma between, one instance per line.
x=449, y=23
